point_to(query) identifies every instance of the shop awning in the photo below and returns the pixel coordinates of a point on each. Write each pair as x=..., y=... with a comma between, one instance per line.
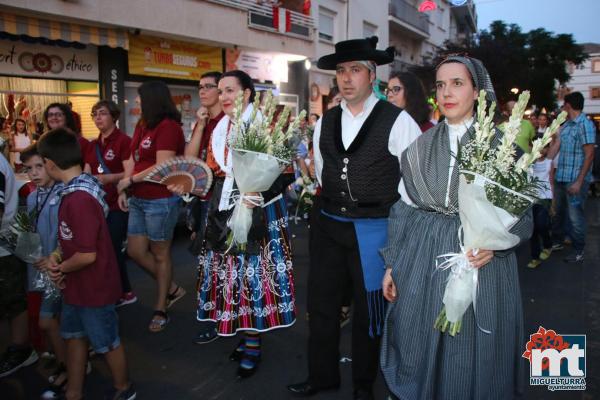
x=69, y=32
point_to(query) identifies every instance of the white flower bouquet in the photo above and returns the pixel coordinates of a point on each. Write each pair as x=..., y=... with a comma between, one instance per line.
x=261, y=148
x=308, y=190
x=495, y=190
x=21, y=238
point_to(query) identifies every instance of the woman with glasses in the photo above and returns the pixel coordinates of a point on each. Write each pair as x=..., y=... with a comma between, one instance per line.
x=405, y=90
x=484, y=360
x=105, y=159
x=59, y=115
x=153, y=209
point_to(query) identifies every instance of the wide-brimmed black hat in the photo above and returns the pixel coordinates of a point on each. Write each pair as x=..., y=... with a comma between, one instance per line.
x=357, y=50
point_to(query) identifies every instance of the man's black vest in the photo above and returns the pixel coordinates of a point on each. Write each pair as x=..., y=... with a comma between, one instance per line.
x=361, y=181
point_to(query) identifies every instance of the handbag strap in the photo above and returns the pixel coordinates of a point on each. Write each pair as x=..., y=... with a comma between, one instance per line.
x=105, y=169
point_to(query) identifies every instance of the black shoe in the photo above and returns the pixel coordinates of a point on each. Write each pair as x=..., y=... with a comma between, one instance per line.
x=238, y=352
x=247, y=372
x=116, y=394
x=207, y=336
x=363, y=394
x=15, y=358
x=307, y=389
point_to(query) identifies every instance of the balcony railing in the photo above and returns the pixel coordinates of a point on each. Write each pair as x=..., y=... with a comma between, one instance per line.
x=408, y=13
x=261, y=17
x=466, y=14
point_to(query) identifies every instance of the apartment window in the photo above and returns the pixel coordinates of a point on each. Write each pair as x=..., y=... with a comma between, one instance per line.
x=326, y=24
x=596, y=65
x=369, y=29
x=595, y=93
x=439, y=16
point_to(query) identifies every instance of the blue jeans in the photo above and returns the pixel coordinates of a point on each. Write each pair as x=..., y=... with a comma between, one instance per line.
x=570, y=218
x=117, y=226
x=155, y=219
x=50, y=307
x=99, y=324
x=541, y=229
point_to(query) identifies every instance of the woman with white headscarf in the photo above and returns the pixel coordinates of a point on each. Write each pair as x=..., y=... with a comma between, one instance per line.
x=418, y=362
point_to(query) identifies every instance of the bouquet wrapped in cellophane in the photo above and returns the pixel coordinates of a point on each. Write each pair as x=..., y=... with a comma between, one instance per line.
x=494, y=191
x=261, y=149
x=22, y=240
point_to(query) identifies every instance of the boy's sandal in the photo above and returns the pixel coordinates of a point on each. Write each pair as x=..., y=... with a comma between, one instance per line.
x=57, y=372
x=159, y=321
x=177, y=294
x=55, y=391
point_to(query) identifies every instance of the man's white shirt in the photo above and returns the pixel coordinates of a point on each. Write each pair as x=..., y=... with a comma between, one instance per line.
x=404, y=131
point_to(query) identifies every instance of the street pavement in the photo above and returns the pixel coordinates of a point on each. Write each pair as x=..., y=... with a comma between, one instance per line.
x=168, y=365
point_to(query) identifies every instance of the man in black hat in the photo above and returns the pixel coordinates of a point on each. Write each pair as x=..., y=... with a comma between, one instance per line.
x=357, y=146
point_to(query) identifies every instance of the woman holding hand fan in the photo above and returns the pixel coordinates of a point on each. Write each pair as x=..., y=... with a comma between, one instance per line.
x=153, y=209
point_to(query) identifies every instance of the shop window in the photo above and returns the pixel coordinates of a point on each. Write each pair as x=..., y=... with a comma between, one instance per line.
x=83, y=96
x=27, y=98
x=326, y=24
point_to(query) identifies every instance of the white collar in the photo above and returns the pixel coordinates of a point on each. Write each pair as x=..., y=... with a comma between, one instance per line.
x=367, y=106
x=219, y=142
x=458, y=130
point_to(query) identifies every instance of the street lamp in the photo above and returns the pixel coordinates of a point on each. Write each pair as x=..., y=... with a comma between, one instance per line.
x=514, y=90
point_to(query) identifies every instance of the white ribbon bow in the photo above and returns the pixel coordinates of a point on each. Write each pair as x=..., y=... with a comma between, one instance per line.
x=459, y=265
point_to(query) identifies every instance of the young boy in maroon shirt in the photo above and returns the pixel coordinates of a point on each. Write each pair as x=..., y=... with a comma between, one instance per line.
x=85, y=268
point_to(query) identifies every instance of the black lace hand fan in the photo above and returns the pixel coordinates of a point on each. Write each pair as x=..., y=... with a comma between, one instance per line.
x=191, y=173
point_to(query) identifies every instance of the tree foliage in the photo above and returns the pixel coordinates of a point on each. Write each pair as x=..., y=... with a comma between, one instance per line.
x=527, y=61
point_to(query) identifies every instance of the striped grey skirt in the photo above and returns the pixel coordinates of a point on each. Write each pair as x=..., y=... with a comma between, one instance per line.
x=419, y=362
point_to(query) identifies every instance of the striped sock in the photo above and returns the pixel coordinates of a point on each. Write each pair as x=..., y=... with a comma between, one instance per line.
x=251, y=350
x=240, y=346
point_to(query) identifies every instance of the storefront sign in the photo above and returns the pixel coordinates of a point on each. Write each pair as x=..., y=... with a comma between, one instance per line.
x=40, y=60
x=171, y=58
x=260, y=66
x=112, y=77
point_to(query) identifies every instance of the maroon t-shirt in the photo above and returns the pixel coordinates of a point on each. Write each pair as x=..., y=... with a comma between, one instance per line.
x=115, y=149
x=84, y=145
x=207, y=134
x=82, y=229
x=167, y=135
x=425, y=126
x=205, y=142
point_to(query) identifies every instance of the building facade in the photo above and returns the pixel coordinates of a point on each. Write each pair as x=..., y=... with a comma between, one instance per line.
x=123, y=44
x=416, y=35
x=276, y=42
x=338, y=20
x=585, y=78
x=419, y=35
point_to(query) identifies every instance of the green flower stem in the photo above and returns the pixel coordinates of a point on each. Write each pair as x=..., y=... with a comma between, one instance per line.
x=442, y=324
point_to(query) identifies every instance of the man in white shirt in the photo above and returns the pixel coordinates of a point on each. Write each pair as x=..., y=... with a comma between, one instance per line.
x=357, y=149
